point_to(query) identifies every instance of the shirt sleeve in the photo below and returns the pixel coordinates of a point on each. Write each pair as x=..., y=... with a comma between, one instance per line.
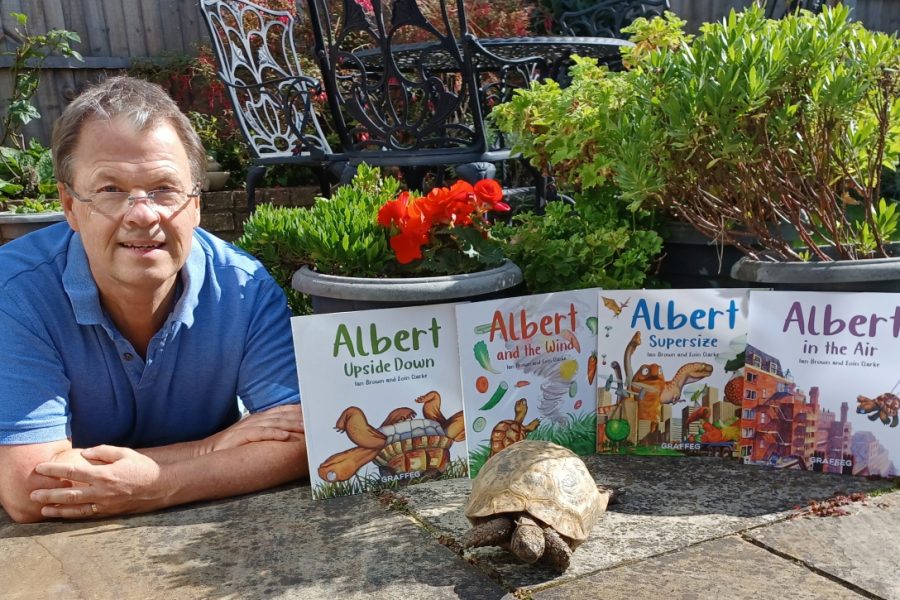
x=33, y=384
x=268, y=375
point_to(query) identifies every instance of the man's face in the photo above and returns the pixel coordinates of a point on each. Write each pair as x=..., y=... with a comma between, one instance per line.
x=140, y=250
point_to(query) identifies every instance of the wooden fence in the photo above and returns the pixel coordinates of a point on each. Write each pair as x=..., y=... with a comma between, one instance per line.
x=116, y=32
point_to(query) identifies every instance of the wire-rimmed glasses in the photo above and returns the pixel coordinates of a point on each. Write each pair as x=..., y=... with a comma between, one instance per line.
x=164, y=203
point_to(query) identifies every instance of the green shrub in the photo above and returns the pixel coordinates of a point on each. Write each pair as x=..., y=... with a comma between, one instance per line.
x=590, y=245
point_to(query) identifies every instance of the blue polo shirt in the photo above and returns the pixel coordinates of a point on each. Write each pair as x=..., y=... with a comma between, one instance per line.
x=66, y=371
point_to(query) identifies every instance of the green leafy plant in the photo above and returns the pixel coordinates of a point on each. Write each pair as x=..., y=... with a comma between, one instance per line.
x=26, y=173
x=28, y=59
x=224, y=142
x=753, y=124
x=38, y=205
x=590, y=245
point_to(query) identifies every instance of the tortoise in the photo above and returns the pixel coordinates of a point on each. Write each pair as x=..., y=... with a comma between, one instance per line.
x=401, y=444
x=511, y=431
x=537, y=500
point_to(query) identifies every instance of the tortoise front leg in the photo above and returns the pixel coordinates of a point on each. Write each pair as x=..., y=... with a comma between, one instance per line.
x=557, y=552
x=343, y=465
x=495, y=532
x=527, y=540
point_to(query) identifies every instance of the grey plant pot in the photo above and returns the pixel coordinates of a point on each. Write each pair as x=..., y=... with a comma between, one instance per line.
x=334, y=293
x=864, y=275
x=693, y=260
x=13, y=225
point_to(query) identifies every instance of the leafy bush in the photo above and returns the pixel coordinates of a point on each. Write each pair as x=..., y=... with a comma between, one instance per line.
x=591, y=245
x=25, y=72
x=26, y=173
x=753, y=124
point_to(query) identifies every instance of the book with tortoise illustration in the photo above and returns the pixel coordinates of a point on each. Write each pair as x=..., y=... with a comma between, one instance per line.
x=670, y=371
x=526, y=366
x=381, y=399
x=821, y=384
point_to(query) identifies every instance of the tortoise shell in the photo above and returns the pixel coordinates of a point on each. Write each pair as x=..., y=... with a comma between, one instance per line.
x=545, y=480
x=414, y=445
x=505, y=434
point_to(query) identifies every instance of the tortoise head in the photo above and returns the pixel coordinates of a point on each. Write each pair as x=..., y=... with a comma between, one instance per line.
x=521, y=409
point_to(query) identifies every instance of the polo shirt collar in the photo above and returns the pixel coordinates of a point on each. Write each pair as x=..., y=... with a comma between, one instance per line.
x=81, y=288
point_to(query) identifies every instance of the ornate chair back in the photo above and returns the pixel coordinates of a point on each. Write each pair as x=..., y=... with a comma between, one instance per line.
x=272, y=98
x=401, y=82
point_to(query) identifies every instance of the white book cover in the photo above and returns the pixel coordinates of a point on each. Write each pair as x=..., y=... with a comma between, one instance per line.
x=821, y=383
x=525, y=365
x=670, y=371
x=380, y=397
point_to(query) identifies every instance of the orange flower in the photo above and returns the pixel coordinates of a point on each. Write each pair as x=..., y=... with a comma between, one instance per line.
x=416, y=222
x=393, y=212
x=490, y=194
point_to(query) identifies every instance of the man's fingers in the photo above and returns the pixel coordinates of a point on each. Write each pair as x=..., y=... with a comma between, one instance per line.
x=281, y=408
x=67, y=496
x=62, y=471
x=262, y=434
x=273, y=421
x=65, y=511
x=104, y=453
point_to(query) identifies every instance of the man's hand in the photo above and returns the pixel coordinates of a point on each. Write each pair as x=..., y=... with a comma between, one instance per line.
x=280, y=424
x=117, y=481
x=259, y=451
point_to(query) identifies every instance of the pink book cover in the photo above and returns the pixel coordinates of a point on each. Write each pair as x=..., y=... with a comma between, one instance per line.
x=821, y=382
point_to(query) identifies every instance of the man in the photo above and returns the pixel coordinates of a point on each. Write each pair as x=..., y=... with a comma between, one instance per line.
x=127, y=337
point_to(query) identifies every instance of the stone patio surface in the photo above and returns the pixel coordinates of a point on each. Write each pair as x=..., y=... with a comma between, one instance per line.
x=686, y=528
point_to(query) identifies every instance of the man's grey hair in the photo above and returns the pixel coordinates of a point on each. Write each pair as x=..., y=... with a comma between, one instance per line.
x=143, y=104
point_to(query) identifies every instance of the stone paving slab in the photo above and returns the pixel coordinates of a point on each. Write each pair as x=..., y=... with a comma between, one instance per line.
x=279, y=543
x=669, y=503
x=724, y=568
x=862, y=547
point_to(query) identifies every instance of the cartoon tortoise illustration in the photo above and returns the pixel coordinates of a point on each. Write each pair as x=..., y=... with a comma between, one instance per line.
x=884, y=407
x=510, y=431
x=402, y=444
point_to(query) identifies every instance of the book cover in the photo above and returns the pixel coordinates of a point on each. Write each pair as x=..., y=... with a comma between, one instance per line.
x=820, y=391
x=527, y=366
x=380, y=397
x=670, y=371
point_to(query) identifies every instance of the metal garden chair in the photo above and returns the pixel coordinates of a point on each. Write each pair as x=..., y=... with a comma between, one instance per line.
x=271, y=96
x=404, y=86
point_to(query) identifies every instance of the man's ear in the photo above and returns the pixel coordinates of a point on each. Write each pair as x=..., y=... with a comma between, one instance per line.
x=196, y=202
x=67, y=201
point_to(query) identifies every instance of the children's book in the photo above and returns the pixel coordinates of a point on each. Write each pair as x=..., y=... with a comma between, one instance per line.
x=527, y=366
x=670, y=371
x=821, y=385
x=381, y=399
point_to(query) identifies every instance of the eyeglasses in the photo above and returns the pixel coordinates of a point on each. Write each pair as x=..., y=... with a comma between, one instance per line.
x=164, y=203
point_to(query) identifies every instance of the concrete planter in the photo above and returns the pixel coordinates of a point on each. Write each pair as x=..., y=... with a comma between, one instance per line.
x=14, y=225
x=334, y=293
x=864, y=275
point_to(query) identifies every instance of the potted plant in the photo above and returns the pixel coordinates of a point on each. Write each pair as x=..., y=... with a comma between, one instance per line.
x=26, y=181
x=766, y=135
x=26, y=170
x=371, y=245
